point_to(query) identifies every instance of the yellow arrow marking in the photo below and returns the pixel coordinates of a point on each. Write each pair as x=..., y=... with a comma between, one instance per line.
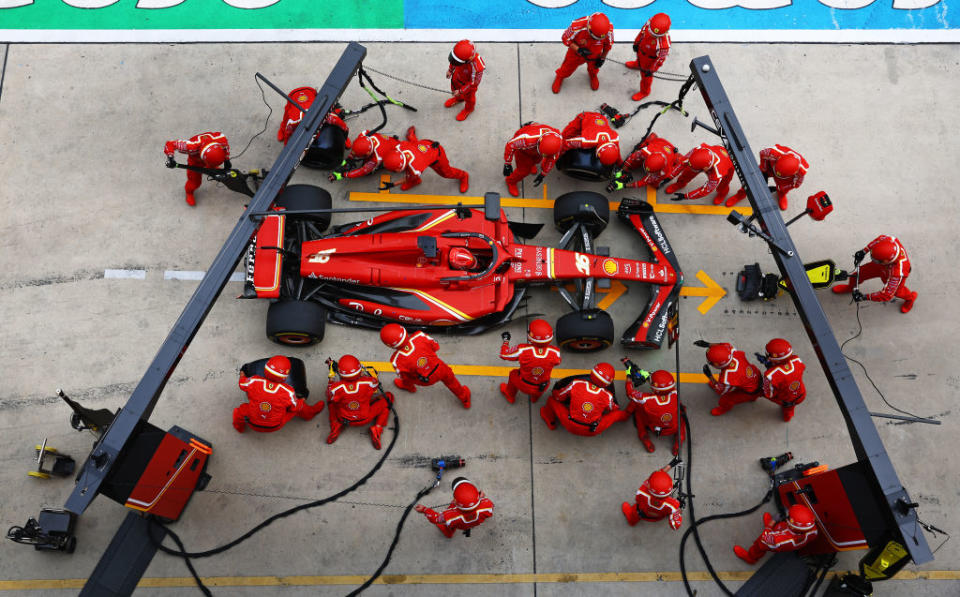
x=710, y=289
x=501, y=371
x=616, y=290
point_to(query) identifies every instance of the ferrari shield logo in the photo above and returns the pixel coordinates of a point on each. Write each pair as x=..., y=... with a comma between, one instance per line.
x=265, y=407
x=610, y=267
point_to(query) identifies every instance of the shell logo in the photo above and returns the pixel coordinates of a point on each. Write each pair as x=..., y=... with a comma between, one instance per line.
x=421, y=362
x=610, y=267
x=666, y=418
x=302, y=97
x=794, y=386
x=422, y=148
x=354, y=405
x=265, y=407
x=750, y=372
x=599, y=122
x=537, y=371
x=587, y=407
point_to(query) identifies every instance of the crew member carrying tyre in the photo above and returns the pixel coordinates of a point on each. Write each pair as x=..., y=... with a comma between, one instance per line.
x=371, y=147
x=531, y=145
x=206, y=150
x=657, y=412
x=799, y=529
x=783, y=379
x=653, y=502
x=414, y=156
x=353, y=401
x=537, y=360
x=469, y=508
x=890, y=264
x=652, y=45
x=656, y=158
x=416, y=362
x=271, y=402
x=711, y=160
x=588, y=40
x=304, y=97
x=786, y=166
x=738, y=380
x=584, y=406
x=465, y=73
x=591, y=130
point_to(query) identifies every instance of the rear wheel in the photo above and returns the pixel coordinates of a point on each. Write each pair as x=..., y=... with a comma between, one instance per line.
x=307, y=197
x=296, y=323
x=582, y=207
x=585, y=331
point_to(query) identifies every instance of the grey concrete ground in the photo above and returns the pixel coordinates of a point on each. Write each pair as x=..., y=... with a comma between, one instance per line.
x=85, y=190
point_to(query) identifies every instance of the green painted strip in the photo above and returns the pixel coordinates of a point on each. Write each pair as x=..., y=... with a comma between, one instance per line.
x=207, y=14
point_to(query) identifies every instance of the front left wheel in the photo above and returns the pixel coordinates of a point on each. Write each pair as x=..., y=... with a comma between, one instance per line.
x=585, y=331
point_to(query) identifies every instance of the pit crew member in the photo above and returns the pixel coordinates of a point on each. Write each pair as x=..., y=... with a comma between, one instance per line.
x=711, y=160
x=465, y=73
x=652, y=45
x=416, y=362
x=786, y=166
x=537, y=360
x=205, y=150
x=271, y=402
x=655, y=158
x=531, y=145
x=738, y=380
x=783, y=379
x=591, y=130
x=653, y=501
x=656, y=412
x=799, y=529
x=469, y=508
x=889, y=263
x=588, y=40
x=353, y=401
x=584, y=406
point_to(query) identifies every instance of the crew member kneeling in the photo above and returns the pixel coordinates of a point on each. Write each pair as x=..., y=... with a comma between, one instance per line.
x=272, y=403
x=584, y=407
x=653, y=502
x=799, y=529
x=353, y=401
x=657, y=412
x=536, y=359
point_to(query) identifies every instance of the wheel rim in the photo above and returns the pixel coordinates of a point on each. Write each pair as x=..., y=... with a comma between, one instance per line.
x=586, y=344
x=293, y=338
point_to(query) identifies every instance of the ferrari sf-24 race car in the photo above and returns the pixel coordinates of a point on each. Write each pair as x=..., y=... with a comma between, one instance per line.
x=451, y=270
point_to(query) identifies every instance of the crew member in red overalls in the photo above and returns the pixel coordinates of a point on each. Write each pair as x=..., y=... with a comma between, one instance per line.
x=414, y=156
x=584, y=407
x=656, y=158
x=272, y=403
x=890, y=264
x=304, y=97
x=783, y=379
x=658, y=411
x=588, y=39
x=206, y=150
x=652, y=45
x=653, y=502
x=786, y=166
x=469, y=508
x=465, y=72
x=371, y=147
x=417, y=364
x=799, y=529
x=532, y=144
x=537, y=360
x=711, y=160
x=738, y=380
x=353, y=401
x=591, y=130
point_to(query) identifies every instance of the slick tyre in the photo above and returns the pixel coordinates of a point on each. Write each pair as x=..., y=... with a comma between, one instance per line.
x=582, y=207
x=583, y=164
x=296, y=323
x=585, y=331
x=305, y=197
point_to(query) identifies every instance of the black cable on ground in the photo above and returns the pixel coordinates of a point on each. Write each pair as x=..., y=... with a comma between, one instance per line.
x=181, y=551
x=266, y=122
x=389, y=76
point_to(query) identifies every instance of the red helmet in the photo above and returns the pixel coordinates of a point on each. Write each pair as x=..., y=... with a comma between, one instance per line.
x=800, y=518
x=598, y=25
x=277, y=368
x=550, y=143
x=659, y=24
x=461, y=258
x=539, y=332
x=463, y=51
x=395, y=161
x=349, y=366
x=608, y=153
x=465, y=494
x=701, y=159
x=787, y=165
x=885, y=252
x=720, y=355
x=662, y=381
x=602, y=374
x=655, y=162
x=779, y=349
x=213, y=154
x=362, y=146
x=393, y=335
x=660, y=484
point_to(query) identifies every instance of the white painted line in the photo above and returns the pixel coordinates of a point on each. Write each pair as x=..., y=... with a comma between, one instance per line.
x=125, y=274
x=238, y=277
x=907, y=36
x=180, y=275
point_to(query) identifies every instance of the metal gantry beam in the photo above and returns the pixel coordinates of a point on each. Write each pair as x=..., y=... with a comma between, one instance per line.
x=863, y=433
x=144, y=397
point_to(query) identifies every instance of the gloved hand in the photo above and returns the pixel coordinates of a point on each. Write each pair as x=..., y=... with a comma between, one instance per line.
x=636, y=48
x=858, y=256
x=538, y=180
x=387, y=186
x=707, y=372
x=335, y=176
x=420, y=508
x=505, y=336
x=702, y=344
x=583, y=52
x=762, y=359
x=858, y=296
x=507, y=169
x=171, y=163
x=678, y=197
x=615, y=185
x=599, y=62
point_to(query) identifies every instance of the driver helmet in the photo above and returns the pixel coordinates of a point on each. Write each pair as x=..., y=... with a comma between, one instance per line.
x=462, y=258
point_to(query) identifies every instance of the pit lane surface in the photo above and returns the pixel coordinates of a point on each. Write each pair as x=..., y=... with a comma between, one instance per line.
x=85, y=191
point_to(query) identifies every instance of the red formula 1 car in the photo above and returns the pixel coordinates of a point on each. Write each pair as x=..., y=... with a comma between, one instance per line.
x=456, y=270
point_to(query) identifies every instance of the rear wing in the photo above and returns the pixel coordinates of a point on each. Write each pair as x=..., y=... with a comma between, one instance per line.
x=264, y=259
x=659, y=318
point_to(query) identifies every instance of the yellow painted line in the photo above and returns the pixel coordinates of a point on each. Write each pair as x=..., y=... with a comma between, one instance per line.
x=501, y=371
x=710, y=289
x=683, y=207
x=439, y=579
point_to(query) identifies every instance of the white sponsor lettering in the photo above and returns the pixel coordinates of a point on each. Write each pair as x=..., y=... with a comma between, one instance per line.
x=583, y=263
x=355, y=305
x=322, y=257
x=846, y=3
x=552, y=3
x=158, y=3
x=251, y=3
x=748, y=4
x=14, y=3
x=628, y=3
x=661, y=240
x=89, y=3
